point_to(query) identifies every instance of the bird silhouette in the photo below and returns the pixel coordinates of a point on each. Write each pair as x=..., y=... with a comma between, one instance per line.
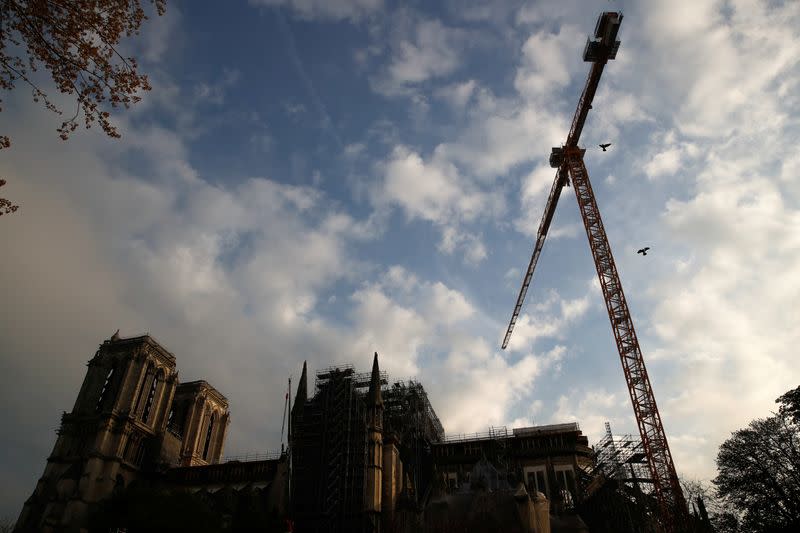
x=643, y=251
x=604, y=146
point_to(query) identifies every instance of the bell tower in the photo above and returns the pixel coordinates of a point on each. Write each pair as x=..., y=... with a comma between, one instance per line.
x=115, y=430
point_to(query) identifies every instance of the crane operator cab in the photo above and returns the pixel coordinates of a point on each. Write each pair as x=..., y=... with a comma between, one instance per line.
x=605, y=45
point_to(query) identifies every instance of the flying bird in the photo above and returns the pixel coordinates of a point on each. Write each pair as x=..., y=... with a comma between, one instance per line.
x=604, y=146
x=643, y=251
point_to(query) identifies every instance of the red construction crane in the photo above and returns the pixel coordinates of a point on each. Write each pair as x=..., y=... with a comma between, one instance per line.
x=568, y=159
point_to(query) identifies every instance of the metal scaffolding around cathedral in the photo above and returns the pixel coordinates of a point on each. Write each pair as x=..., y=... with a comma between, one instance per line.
x=619, y=491
x=350, y=443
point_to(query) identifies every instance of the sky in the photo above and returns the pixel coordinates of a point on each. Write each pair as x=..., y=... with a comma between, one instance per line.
x=323, y=179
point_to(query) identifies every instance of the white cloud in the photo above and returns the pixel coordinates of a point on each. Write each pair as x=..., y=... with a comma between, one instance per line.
x=431, y=190
x=434, y=190
x=494, y=384
x=539, y=12
x=543, y=322
x=701, y=55
x=470, y=245
x=547, y=60
x=458, y=95
x=592, y=408
x=327, y=9
x=427, y=330
x=450, y=305
x=535, y=190
x=426, y=51
x=398, y=278
x=664, y=163
x=354, y=150
x=431, y=54
x=396, y=332
x=214, y=92
x=674, y=154
x=210, y=270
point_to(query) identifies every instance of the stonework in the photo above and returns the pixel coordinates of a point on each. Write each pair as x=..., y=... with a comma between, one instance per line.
x=124, y=424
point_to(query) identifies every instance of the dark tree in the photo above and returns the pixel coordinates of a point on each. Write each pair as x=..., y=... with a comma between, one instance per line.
x=790, y=405
x=709, y=513
x=759, y=471
x=77, y=43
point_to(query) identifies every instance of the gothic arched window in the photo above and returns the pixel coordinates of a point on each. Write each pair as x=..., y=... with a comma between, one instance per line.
x=105, y=391
x=145, y=382
x=148, y=407
x=208, y=436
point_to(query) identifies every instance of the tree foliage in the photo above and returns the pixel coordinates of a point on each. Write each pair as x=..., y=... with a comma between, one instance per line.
x=701, y=496
x=759, y=470
x=6, y=206
x=790, y=405
x=77, y=42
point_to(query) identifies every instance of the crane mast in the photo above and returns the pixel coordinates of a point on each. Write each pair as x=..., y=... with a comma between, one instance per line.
x=568, y=160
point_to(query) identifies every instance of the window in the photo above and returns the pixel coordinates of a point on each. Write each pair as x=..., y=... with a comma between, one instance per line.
x=104, y=392
x=208, y=436
x=147, y=375
x=472, y=449
x=565, y=478
x=126, y=453
x=150, y=396
x=135, y=449
x=536, y=480
x=137, y=460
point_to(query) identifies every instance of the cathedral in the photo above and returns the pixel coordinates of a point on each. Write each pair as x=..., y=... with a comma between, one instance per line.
x=131, y=416
x=364, y=455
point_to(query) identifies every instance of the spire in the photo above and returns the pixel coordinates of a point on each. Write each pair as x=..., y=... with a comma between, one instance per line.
x=374, y=397
x=302, y=389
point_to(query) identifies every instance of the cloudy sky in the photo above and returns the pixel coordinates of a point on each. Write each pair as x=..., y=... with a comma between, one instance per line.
x=321, y=179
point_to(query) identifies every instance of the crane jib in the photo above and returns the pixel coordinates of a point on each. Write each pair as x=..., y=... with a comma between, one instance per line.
x=544, y=226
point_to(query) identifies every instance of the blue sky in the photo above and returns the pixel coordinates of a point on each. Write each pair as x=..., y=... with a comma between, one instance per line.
x=319, y=180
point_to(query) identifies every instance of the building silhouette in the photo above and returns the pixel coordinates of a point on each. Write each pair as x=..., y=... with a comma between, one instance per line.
x=364, y=456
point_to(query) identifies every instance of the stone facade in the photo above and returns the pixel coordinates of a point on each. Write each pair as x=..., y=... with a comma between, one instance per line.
x=124, y=425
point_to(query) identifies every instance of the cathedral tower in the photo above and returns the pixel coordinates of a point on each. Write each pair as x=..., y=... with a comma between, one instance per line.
x=130, y=417
x=104, y=442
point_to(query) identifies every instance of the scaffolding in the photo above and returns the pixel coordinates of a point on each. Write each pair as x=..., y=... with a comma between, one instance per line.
x=409, y=413
x=622, y=457
x=619, y=493
x=494, y=433
x=330, y=447
x=330, y=454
